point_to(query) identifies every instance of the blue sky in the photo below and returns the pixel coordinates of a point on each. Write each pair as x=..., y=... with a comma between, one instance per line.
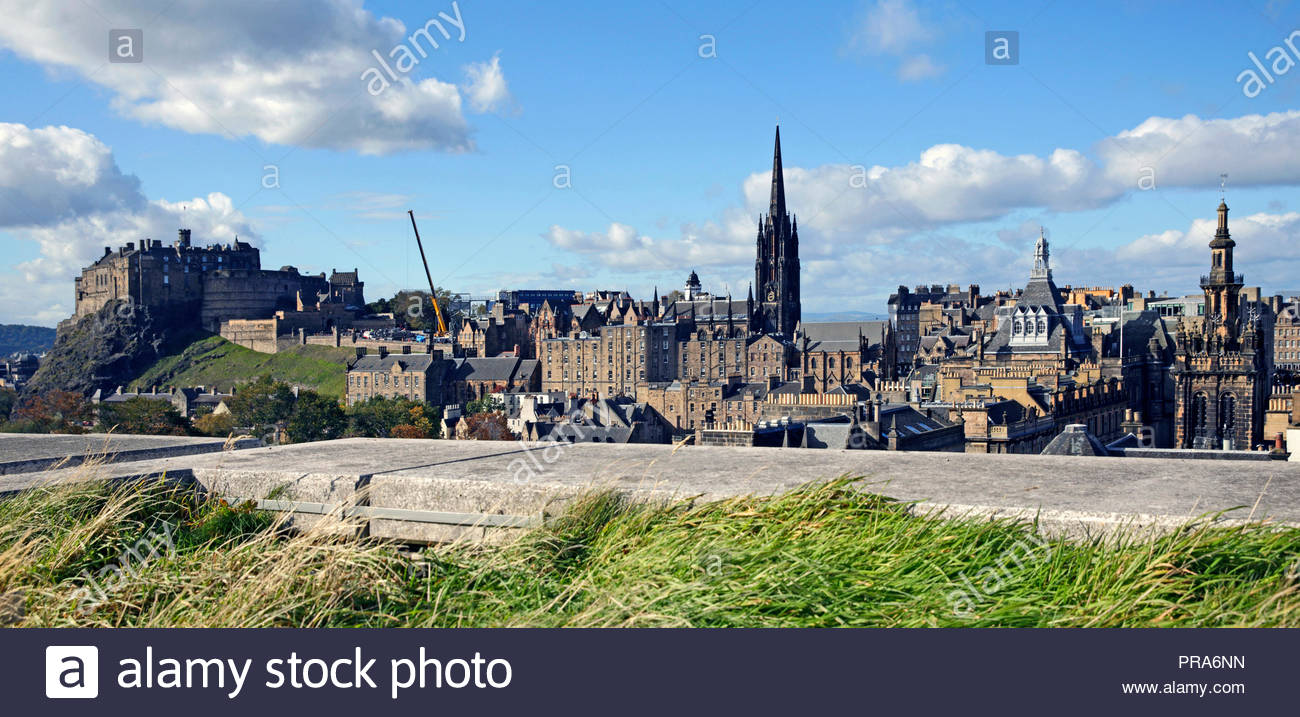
x=667, y=136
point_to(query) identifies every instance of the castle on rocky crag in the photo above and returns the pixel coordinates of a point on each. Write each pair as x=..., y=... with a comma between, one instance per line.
x=214, y=284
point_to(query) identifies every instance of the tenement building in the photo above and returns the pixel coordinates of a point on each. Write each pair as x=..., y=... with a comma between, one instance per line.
x=1219, y=367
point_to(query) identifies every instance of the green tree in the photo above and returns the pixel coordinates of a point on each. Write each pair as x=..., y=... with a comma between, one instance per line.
x=145, y=416
x=412, y=309
x=8, y=398
x=316, y=418
x=215, y=424
x=53, y=412
x=488, y=426
x=262, y=402
x=377, y=417
x=484, y=404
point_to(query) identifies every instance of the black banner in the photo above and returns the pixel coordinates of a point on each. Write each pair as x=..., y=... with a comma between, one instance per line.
x=649, y=671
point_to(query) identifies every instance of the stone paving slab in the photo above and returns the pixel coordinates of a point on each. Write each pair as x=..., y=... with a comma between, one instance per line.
x=1074, y=494
x=28, y=452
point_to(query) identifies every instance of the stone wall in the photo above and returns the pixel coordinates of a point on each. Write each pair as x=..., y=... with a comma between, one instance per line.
x=256, y=334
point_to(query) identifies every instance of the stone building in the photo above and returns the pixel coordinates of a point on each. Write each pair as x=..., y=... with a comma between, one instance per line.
x=501, y=331
x=1286, y=339
x=610, y=363
x=845, y=353
x=211, y=283
x=417, y=377
x=1220, y=364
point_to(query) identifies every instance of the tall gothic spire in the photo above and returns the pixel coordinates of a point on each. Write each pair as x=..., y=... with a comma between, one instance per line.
x=776, y=209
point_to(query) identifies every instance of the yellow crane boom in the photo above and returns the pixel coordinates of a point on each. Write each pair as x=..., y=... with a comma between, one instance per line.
x=433, y=293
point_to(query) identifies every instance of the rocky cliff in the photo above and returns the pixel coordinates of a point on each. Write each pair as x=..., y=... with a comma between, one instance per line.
x=110, y=347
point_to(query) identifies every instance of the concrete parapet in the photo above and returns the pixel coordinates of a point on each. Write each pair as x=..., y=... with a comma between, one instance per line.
x=427, y=490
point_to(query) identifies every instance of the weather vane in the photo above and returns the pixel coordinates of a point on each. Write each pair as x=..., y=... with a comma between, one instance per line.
x=1223, y=183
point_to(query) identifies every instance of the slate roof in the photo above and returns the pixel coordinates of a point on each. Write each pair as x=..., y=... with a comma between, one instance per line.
x=842, y=335
x=1041, y=292
x=583, y=433
x=1075, y=440
x=709, y=309
x=1139, y=329
x=408, y=362
x=907, y=421
x=496, y=368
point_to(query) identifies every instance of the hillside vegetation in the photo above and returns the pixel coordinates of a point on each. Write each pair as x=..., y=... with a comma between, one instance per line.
x=824, y=555
x=213, y=361
x=18, y=338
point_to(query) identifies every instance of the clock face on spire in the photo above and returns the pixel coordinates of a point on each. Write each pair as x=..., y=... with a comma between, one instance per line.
x=771, y=294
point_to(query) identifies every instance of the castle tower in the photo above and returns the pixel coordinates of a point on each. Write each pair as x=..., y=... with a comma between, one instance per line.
x=776, y=268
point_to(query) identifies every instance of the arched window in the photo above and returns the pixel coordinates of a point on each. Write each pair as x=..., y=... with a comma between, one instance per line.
x=1196, y=421
x=1042, y=326
x=1018, y=328
x=1227, y=417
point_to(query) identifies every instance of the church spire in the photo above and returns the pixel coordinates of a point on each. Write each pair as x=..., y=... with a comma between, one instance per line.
x=776, y=209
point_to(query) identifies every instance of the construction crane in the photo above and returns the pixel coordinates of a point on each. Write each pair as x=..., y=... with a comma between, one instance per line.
x=433, y=293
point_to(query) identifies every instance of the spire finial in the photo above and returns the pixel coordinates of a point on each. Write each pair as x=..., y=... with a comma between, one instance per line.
x=776, y=208
x=1223, y=187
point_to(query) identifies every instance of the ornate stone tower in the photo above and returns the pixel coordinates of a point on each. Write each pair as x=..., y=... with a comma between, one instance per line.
x=1218, y=367
x=776, y=270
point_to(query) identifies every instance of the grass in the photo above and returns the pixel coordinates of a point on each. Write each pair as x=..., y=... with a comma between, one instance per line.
x=213, y=361
x=824, y=555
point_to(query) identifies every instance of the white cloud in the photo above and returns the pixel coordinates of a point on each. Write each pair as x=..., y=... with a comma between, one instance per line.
x=623, y=248
x=947, y=184
x=919, y=67
x=890, y=27
x=55, y=173
x=896, y=28
x=1267, y=251
x=894, y=228
x=486, y=89
x=287, y=72
x=62, y=189
x=1189, y=151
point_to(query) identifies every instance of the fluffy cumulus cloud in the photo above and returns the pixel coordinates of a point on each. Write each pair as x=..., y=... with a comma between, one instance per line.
x=899, y=221
x=486, y=86
x=1266, y=243
x=1254, y=150
x=288, y=72
x=623, y=248
x=61, y=188
x=896, y=28
x=56, y=173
